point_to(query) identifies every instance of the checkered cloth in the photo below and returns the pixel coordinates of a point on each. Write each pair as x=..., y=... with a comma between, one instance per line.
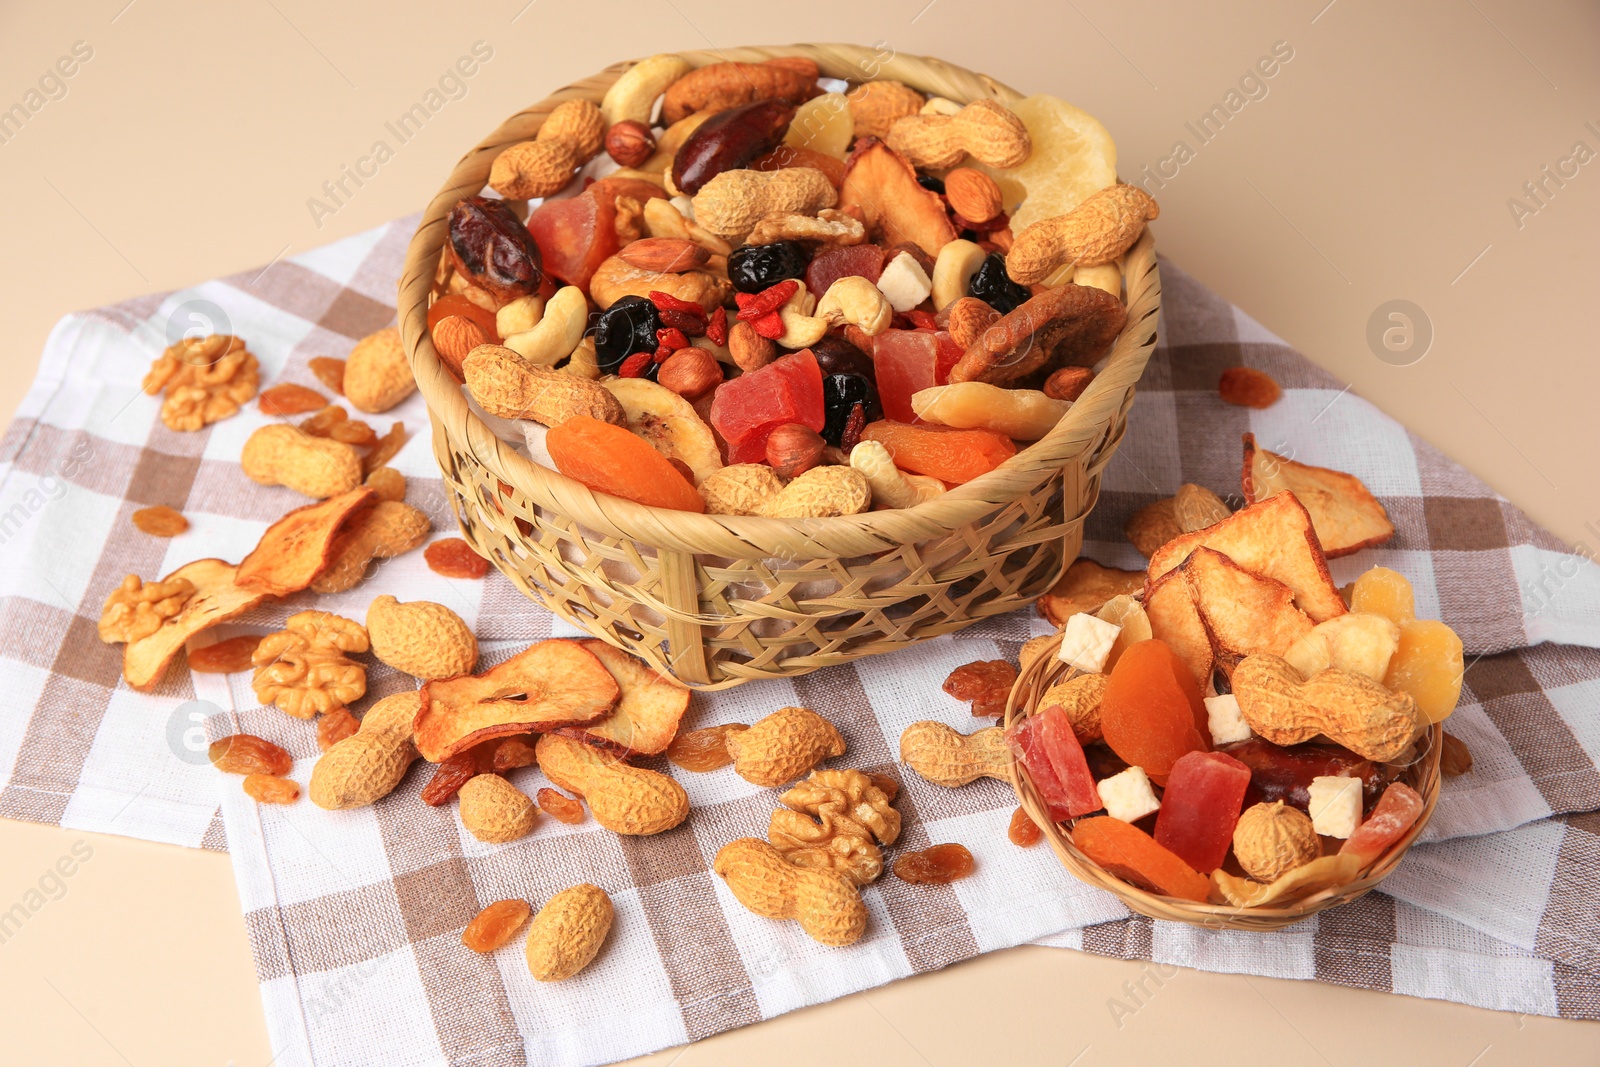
x=355, y=917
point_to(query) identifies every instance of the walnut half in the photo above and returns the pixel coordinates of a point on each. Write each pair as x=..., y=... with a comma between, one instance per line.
x=136, y=609
x=303, y=668
x=205, y=379
x=847, y=812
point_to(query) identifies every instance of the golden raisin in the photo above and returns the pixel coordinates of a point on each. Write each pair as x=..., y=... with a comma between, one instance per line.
x=323, y=421
x=160, y=521
x=704, y=750
x=248, y=754
x=561, y=806
x=225, y=657
x=353, y=432
x=385, y=448
x=513, y=752
x=267, y=789
x=1455, y=759
x=986, y=683
x=1248, y=387
x=290, y=399
x=451, y=775
x=387, y=483
x=335, y=726
x=454, y=558
x=1024, y=832
x=495, y=925
x=934, y=866
x=329, y=372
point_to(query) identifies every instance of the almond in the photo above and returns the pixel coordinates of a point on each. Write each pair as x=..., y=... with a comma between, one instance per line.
x=453, y=337
x=973, y=194
x=969, y=318
x=668, y=255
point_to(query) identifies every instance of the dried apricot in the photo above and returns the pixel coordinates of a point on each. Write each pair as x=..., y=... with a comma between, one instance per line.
x=1248, y=387
x=454, y=558
x=955, y=456
x=1151, y=713
x=511, y=753
x=225, y=657
x=985, y=683
x=268, y=789
x=610, y=459
x=290, y=399
x=248, y=754
x=495, y=925
x=704, y=750
x=329, y=372
x=936, y=865
x=385, y=448
x=335, y=726
x=560, y=806
x=1128, y=852
x=1024, y=832
x=160, y=521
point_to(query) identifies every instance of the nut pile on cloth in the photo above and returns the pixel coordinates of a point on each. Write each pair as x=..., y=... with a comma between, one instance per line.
x=356, y=916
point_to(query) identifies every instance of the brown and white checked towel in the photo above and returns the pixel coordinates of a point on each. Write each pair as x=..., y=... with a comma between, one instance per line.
x=355, y=917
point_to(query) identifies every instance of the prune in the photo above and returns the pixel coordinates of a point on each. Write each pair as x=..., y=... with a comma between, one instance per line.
x=754, y=268
x=930, y=183
x=994, y=286
x=840, y=395
x=835, y=355
x=728, y=141
x=626, y=327
x=490, y=246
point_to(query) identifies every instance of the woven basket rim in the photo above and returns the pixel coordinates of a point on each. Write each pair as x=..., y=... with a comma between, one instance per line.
x=1043, y=671
x=456, y=424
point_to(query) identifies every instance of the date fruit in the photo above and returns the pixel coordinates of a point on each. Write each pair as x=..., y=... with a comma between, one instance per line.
x=491, y=248
x=728, y=141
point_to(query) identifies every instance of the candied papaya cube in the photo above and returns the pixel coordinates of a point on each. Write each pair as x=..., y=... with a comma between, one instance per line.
x=1201, y=805
x=1066, y=756
x=745, y=410
x=954, y=456
x=1152, y=712
x=905, y=361
x=1428, y=664
x=610, y=459
x=1026, y=741
x=1381, y=591
x=1397, y=810
x=1128, y=852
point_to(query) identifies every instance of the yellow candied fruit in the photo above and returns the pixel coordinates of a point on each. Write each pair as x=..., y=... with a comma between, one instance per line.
x=1428, y=665
x=1382, y=591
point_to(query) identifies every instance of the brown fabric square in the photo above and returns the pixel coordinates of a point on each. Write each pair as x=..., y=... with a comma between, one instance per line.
x=436, y=899
x=662, y=857
x=467, y=999
x=1560, y=767
x=287, y=285
x=1464, y=524
x=1124, y=939
x=698, y=952
x=342, y=928
x=1351, y=944
x=355, y=316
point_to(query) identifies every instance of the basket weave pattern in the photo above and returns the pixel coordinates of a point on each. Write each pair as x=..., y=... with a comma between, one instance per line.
x=1044, y=671
x=719, y=600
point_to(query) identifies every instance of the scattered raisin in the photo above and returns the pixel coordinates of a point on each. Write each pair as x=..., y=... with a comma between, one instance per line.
x=353, y=432
x=704, y=750
x=387, y=483
x=267, y=789
x=1024, y=832
x=160, y=521
x=450, y=776
x=323, y=421
x=511, y=753
x=934, y=866
x=385, y=448
x=248, y=754
x=290, y=399
x=329, y=372
x=454, y=558
x=495, y=925
x=225, y=657
x=561, y=806
x=986, y=683
x=335, y=726
x=1248, y=387
x=1455, y=759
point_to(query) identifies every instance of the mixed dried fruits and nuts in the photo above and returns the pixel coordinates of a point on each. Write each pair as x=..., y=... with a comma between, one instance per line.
x=1231, y=726
x=740, y=293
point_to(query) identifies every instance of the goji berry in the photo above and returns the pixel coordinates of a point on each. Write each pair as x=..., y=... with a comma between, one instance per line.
x=922, y=319
x=692, y=323
x=769, y=325
x=634, y=365
x=753, y=306
x=717, y=326
x=671, y=339
x=668, y=302
x=853, y=426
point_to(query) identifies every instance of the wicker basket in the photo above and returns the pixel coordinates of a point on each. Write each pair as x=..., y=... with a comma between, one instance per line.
x=720, y=600
x=1045, y=670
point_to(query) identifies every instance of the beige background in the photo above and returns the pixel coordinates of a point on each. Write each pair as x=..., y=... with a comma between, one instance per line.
x=1378, y=166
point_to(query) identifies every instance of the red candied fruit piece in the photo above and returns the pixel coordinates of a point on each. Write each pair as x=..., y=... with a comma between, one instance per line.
x=1026, y=741
x=1066, y=756
x=1152, y=713
x=1200, y=806
x=745, y=410
x=1128, y=852
x=1398, y=808
x=847, y=261
x=575, y=235
x=905, y=361
x=950, y=354
x=954, y=456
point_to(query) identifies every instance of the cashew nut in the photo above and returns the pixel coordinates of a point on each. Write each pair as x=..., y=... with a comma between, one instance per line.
x=800, y=328
x=958, y=261
x=633, y=95
x=853, y=299
x=1107, y=276
x=891, y=487
x=939, y=105
x=665, y=218
x=519, y=316
x=557, y=332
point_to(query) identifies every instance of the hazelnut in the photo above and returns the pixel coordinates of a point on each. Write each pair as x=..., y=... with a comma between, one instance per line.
x=630, y=143
x=793, y=449
x=690, y=372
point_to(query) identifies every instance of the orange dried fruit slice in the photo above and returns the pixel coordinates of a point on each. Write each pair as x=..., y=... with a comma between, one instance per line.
x=954, y=456
x=1085, y=587
x=1345, y=514
x=217, y=597
x=1243, y=612
x=610, y=459
x=647, y=714
x=298, y=547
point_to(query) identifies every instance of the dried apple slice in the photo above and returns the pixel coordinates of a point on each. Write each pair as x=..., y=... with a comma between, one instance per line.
x=1244, y=613
x=544, y=687
x=1085, y=587
x=646, y=717
x=1326, y=872
x=1345, y=514
x=1176, y=621
x=217, y=598
x=1274, y=539
x=299, y=546
x=880, y=184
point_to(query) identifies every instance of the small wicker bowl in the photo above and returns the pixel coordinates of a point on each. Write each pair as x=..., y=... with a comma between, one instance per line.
x=1044, y=671
x=719, y=600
